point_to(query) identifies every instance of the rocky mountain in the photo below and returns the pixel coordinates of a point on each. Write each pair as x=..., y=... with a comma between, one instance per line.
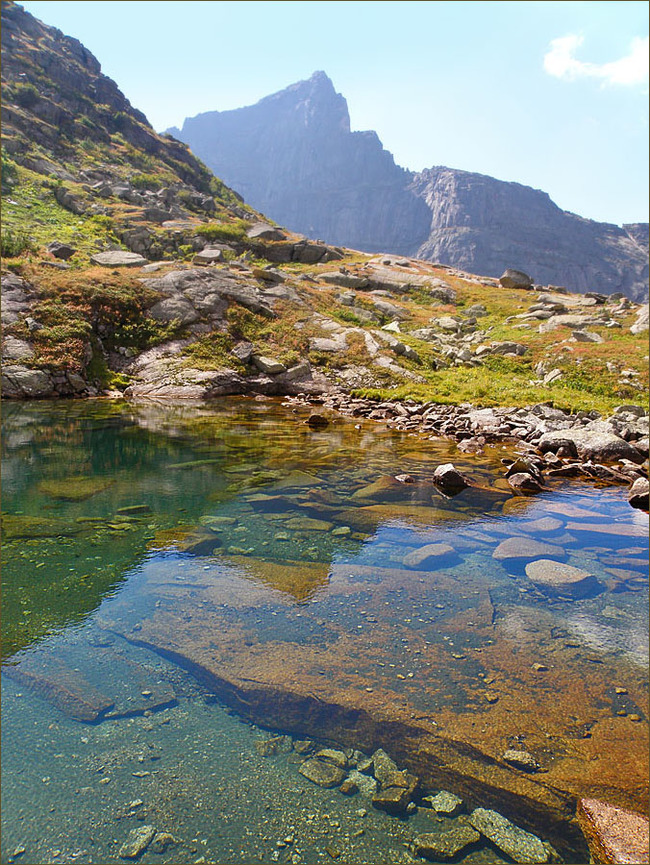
x=79, y=160
x=293, y=156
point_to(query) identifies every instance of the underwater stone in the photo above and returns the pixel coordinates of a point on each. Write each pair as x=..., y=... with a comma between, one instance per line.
x=445, y=803
x=521, y=760
x=427, y=555
x=322, y=773
x=444, y=845
x=137, y=842
x=515, y=842
x=525, y=548
x=556, y=578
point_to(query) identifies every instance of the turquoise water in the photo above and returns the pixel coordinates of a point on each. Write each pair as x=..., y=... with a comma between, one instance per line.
x=145, y=545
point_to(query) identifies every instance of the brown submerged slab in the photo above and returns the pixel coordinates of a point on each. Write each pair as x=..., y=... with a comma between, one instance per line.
x=65, y=688
x=426, y=695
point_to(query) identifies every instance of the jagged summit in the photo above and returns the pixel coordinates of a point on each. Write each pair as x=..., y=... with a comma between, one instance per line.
x=293, y=156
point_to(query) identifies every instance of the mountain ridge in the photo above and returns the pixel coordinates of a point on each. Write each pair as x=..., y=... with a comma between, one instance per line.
x=342, y=186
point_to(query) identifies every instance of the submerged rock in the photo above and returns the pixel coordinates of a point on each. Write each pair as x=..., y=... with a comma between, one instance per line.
x=613, y=834
x=445, y=803
x=427, y=555
x=515, y=842
x=323, y=773
x=137, y=842
x=556, y=578
x=525, y=548
x=522, y=759
x=444, y=845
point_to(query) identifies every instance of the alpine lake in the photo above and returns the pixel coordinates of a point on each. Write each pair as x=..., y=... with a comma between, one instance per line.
x=197, y=597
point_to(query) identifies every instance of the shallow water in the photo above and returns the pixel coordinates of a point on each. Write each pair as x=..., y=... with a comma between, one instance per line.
x=159, y=561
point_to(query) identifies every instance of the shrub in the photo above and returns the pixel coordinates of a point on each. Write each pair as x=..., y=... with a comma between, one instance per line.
x=223, y=231
x=12, y=245
x=26, y=95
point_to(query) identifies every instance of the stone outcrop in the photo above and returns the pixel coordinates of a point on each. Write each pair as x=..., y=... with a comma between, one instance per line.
x=293, y=156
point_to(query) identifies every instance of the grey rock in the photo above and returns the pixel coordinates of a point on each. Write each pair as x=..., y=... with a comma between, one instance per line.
x=449, y=480
x=383, y=767
x=525, y=548
x=596, y=441
x=521, y=846
x=512, y=278
x=19, y=382
x=117, y=258
x=366, y=785
x=16, y=349
x=61, y=250
x=174, y=309
x=638, y=494
x=586, y=336
x=427, y=555
x=264, y=231
x=555, y=578
x=444, y=845
x=207, y=256
x=268, y=365
x=333, y=756
x=137, y=842
x=641, y=323
x=345, y=280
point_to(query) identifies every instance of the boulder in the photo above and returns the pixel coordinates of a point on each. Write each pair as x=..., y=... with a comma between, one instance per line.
x=523, y=482
x=323, y=773
x=16, y=349
x=449, y=480
x=641, y=322
x=118, y=258
x=19, y=382
x=137, y=842
x=264, y=231
x=207, y=256
x=555, y=578
x=427, y=556
x=515, y=279
x=614, y=835
x=596, y=441
x=268, y=365
x=515, y=842
x=525, y=548
x=638, y=494
x=61, y=250
x=345, y=280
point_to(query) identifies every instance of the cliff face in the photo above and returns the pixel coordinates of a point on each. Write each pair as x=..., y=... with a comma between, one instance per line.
x=293, y=156
x=484, y=225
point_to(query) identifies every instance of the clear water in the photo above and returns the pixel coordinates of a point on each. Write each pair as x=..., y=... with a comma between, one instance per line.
x=153, y=555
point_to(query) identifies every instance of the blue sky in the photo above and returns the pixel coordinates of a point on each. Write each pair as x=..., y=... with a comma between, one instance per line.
x=550, y=94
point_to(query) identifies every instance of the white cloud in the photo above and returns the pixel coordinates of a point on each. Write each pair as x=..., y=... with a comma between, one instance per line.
x=560, y=61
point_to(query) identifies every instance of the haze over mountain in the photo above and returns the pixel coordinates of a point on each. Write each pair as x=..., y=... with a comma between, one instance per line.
x=293, y=156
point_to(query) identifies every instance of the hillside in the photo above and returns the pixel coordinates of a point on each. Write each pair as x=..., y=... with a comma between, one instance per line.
x=129, y=268
x=293, y=156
